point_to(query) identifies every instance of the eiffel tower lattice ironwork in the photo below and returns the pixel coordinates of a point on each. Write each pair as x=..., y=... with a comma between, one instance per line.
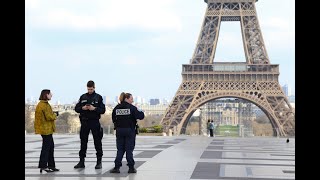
x=255, y=80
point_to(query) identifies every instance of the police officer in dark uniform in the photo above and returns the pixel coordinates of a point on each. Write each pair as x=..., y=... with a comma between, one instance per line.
x=90, y=107
x=124, y=117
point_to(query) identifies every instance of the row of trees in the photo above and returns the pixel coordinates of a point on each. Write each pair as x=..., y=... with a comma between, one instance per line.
x=150, y=124
x=29, y=119
x=261, y=126
x=69, y=123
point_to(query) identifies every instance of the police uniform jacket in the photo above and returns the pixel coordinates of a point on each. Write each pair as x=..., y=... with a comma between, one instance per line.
x=125, y=115
x=95, y=100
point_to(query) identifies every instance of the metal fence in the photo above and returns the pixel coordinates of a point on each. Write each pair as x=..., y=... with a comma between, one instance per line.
x=227, y=131
x=240, y=131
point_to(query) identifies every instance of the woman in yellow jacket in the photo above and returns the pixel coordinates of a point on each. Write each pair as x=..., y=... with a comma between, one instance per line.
x=44, y=125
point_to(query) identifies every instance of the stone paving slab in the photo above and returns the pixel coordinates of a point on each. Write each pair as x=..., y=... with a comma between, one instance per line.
x=170, y=157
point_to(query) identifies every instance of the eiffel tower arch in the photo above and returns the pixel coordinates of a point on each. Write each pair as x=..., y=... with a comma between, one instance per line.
x=255, y=80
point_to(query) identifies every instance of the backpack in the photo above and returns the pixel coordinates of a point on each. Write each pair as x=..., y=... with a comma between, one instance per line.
x=211, y=126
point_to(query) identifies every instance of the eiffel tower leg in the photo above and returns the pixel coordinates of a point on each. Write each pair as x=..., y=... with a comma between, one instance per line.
x=178, y=107
x=207, y=41
x=266, y=95
x=283, y=112
x=255, y=50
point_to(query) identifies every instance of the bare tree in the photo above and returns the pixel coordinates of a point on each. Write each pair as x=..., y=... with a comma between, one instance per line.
x=192, y=128
x=262, y=119
x=29, y=119
x=62, y=125
x=73, y=123
x=106, y=120
x=262, y=129
x=150, y=120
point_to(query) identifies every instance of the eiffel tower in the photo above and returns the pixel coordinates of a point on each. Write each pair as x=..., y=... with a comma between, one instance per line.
x=255, y=80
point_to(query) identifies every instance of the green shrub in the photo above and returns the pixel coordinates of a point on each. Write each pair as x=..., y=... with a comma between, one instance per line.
x=142, y=130
x=157, y=128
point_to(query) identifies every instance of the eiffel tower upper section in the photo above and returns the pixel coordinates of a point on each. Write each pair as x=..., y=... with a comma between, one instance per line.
x=230, y=10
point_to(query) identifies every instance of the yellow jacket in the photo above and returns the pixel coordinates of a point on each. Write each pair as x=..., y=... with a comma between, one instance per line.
x=44, y=122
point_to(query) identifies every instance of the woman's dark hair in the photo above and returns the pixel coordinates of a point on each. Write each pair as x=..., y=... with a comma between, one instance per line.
x=90, y=84
x=44, y=93
x=124, y=96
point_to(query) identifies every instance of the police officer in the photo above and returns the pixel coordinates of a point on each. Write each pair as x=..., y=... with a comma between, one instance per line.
x=90, y=107
x=124, y=117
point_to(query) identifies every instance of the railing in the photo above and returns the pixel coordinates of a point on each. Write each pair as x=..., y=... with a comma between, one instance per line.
x=229, y=67
x=241, y=131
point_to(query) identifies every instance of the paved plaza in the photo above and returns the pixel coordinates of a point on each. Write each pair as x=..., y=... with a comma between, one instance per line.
x=170, y=158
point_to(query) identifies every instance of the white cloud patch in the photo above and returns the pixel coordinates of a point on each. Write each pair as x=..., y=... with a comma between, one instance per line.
x=276, y=23
x=228, y=39
x=102, y=14
x=130, y=60
x=32, y=4
x=62, y=18
x=279, y=40
x=278, y=33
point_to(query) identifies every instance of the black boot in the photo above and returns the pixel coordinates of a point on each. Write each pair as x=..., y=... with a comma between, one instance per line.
x=99, y=165
x=80, y=164
x=132, y=170
x=54, y=169
x=46, y=169
x=115, y=170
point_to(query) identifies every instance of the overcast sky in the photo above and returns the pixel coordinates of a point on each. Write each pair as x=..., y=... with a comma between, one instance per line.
x=136, y=46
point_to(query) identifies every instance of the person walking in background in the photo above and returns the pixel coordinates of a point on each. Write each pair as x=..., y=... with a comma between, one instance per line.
x=44, y=125
x=90, y=107
x=124, y=117
x=211, y=127
x=208, y=128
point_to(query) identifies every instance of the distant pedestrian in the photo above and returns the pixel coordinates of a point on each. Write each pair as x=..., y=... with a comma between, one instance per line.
x=44, y=125
x=211, y=127
x=208, y=129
